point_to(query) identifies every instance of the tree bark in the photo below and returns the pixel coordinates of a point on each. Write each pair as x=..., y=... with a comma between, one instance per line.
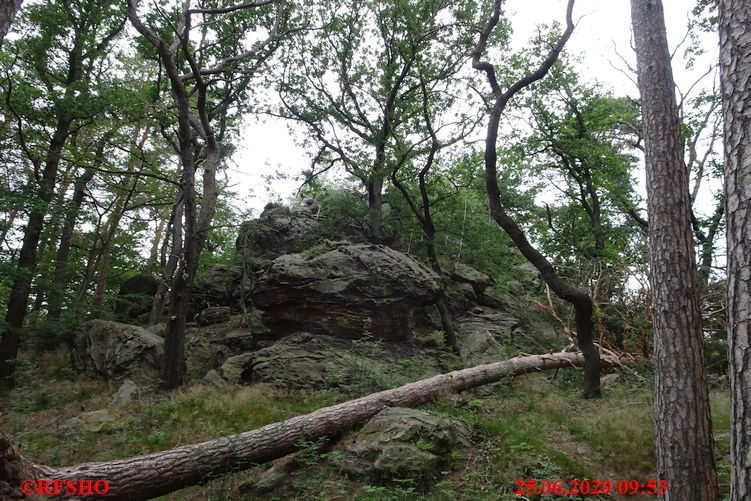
x=683, y=432
x=174, y=237
x=27, y=258
x=163, y=472
x=8, y=11
x=55, y=299
x=375, y=207
x=735, y=75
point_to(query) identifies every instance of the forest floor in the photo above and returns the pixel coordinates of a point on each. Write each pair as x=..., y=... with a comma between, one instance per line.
x=533, y=427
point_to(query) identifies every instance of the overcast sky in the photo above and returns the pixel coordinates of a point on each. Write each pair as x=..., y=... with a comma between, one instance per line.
x=602, y=26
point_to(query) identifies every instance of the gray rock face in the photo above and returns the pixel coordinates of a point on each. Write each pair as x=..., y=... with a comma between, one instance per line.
x=237, y=341
x=345, y=292
x=483, y=336
x=237, y=369
x=401, y=443
x=477, y=279
x=106, y=349
x=279, y=230
x=486, y=335
x=213, y=378
x=305, y=360
x=214, y=315
x=125, y=394
x=135, y=297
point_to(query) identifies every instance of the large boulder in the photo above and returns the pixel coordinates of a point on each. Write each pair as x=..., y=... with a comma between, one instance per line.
x=102, y=348
x=305, y=360
x=219, y=285
x=403, y=444
x=348, y=291
x=468, y=275
x=135, y=297
x=484, y=336
x=279, y=230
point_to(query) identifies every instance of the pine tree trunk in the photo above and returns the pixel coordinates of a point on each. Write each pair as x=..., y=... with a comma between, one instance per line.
x=159, y=473
x=735, y=75
x=683, y=432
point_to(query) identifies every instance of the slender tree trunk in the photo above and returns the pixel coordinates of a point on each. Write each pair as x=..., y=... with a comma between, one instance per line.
x=375, y=207
x=683, y=429
x=27, y=259
x=159, y=473
x=110, y=232
x=735, y=75
x=55, y=299
x=579, y=298
x=169, y=264
x=158, y=234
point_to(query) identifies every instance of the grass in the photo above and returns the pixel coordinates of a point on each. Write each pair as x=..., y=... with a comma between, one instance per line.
x=534, y=427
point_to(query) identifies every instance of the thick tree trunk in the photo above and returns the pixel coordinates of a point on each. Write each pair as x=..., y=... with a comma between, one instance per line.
x=735, y=75
x=8, y=11
x=27, y=259
x=683, y=431
x=163, y=472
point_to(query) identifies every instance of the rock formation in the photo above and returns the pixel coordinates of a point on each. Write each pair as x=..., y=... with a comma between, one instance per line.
x=347, y=292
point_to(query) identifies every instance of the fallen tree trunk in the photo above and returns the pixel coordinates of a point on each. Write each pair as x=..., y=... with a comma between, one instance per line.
x=159, y=473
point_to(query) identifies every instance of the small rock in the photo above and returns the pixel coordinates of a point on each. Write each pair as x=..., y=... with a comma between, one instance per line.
x=609, y=381
x=402, y=443
x=88, y=422
x=235, y=369
x=477, y=279
x=128, y=390
x=213, y=378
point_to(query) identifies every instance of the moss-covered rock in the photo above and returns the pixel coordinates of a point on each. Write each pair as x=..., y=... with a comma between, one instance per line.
x=403, y=444
x=102, y=348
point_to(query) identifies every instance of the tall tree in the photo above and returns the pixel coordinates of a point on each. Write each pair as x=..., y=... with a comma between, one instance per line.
x=355, y=83
x=209, y=77
x=735, y=74
x=683, y=430
x=79, y=38
x=579, y=298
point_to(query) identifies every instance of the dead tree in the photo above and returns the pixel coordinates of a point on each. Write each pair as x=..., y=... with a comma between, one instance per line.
x=152, y=475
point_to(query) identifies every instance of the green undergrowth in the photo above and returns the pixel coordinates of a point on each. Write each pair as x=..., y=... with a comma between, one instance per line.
x=533, y=427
